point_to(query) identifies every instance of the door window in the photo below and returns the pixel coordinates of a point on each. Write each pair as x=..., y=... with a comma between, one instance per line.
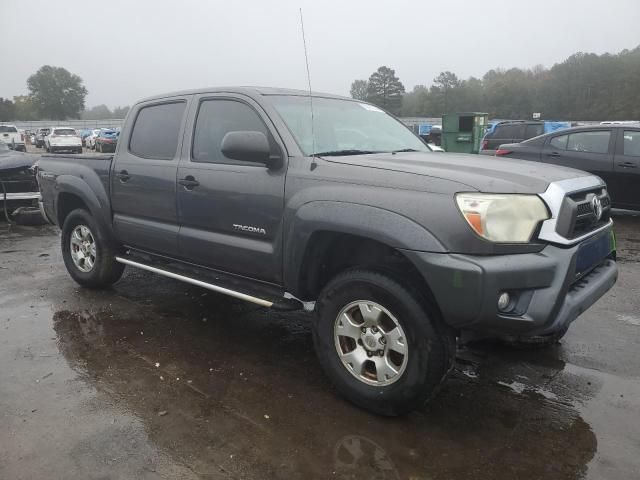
x=156, y=131
x=589, y=142
x=507, y=131
x=533, y=130
x=559, y=142
x=631, y=143
x=215, y=119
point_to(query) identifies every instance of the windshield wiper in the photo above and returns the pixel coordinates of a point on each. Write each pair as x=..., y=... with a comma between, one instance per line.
x=340, y=153
x=404, y=150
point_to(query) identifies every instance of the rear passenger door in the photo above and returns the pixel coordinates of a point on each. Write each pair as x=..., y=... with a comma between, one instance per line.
x=143, y=178
x=231, y=217
x=589, y=150
x=627, y=169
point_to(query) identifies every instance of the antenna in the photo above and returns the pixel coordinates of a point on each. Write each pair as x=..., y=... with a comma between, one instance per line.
x=306, y=59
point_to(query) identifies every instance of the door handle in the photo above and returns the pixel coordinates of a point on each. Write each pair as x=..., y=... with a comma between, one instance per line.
x=627, y=165
x=189, y=182
x=123, y=175
x=553, y=154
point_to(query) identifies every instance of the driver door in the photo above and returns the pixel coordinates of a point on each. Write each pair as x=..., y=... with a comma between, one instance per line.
x=230, y=211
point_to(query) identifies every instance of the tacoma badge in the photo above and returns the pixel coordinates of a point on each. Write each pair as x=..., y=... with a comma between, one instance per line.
x=249, y=228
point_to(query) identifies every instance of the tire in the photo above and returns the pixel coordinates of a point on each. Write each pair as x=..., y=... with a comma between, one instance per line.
x=105, y=271
x=537, y=342
x=429, y=345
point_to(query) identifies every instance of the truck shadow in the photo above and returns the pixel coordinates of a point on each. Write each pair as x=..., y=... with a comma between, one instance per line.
x=226, y=387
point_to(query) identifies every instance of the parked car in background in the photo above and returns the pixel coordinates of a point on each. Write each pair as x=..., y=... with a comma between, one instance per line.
x=84, y=133
x=106, y=141
x=19, y=193
x=90, y=141
x=63, y=139
x=510, y=131
x=41, y=135
x=517, y=130
x=10, y=135
x=435, y=136
x=611, y=152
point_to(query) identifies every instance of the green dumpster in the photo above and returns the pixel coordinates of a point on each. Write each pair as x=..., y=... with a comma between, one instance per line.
x=463, y=132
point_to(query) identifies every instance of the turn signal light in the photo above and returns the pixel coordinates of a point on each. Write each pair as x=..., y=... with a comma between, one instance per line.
x=475, y=221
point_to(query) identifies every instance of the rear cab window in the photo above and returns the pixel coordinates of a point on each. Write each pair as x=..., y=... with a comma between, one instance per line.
x=7, y=129
x=156, y=130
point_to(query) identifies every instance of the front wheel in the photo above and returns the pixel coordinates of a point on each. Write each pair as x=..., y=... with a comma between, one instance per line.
x=88, y=253
x=384, y=348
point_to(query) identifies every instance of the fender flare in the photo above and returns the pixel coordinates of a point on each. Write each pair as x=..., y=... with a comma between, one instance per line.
x=384, y=226
x=75, y=185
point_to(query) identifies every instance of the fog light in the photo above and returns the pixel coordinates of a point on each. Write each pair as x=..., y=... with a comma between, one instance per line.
x=504, y=301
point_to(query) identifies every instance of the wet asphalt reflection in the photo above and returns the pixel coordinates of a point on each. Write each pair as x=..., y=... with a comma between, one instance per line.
x=157, y=379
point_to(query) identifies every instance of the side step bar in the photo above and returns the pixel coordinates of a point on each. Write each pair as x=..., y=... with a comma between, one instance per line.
x=284, y=304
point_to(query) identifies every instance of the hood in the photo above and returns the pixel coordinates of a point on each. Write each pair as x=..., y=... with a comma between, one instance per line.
x=473, y=172
x=12, y=161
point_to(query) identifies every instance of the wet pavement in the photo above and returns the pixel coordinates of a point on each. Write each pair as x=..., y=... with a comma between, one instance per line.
x=157, y=379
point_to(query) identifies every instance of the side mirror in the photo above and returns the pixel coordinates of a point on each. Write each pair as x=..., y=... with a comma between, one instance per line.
x=248, y=147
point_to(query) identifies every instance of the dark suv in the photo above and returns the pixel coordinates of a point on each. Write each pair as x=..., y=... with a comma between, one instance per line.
x=511, y=131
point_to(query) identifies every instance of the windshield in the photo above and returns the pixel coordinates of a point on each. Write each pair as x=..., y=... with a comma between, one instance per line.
x=344, y=127
x=64, y=131
x=6, y=129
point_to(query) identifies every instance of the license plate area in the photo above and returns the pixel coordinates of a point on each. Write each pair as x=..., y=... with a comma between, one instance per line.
x=592, y=252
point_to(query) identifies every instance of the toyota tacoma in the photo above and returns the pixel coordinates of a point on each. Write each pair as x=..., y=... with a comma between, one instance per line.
x=329, y=204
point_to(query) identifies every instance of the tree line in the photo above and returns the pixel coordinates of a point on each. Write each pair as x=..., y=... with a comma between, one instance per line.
x=54, y=94
x=585, y=86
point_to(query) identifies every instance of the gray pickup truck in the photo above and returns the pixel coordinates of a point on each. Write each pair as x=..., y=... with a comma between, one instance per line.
x=398, y=250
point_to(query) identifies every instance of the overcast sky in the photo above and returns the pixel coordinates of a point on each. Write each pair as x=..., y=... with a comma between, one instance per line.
x=125, y=50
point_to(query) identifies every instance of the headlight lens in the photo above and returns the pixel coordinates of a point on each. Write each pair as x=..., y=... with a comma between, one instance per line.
x=502, y=218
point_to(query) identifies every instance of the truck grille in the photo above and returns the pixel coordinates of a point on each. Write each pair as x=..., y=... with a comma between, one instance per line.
x=580, y=214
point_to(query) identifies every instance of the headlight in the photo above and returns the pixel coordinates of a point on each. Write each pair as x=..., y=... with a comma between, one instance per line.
x=503, y=218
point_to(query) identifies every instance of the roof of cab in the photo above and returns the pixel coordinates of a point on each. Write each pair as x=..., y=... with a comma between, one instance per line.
x=250, y=91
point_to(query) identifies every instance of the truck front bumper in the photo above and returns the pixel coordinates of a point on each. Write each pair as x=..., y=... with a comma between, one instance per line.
x=549, y=289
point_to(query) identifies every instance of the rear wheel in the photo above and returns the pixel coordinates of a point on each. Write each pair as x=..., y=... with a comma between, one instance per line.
x=88, y=253
x=384, y=348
